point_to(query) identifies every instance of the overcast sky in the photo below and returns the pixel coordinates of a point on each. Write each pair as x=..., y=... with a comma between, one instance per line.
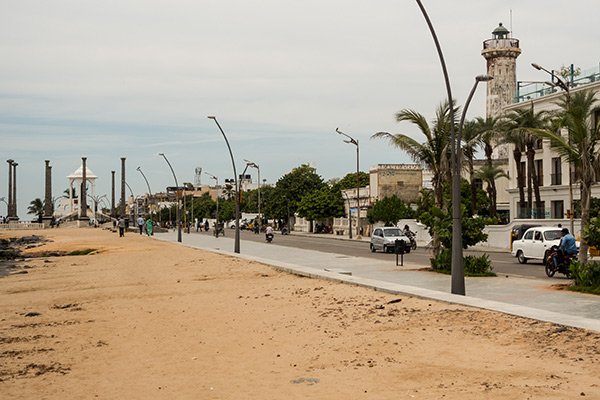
x=132, y=78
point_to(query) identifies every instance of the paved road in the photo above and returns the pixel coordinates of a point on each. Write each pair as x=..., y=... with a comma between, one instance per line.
x=528, y=297
x=502, y=262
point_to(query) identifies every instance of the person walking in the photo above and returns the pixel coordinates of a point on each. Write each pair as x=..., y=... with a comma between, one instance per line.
x=149, y=227
x=121, y=225
x=140, y=222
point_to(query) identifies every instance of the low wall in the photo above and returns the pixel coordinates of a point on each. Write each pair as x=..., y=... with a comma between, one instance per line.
x=21, y=225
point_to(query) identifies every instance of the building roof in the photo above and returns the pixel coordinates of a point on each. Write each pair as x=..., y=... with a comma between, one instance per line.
x=78, y=174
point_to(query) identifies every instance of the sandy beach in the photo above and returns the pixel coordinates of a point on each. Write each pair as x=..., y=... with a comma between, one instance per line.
x=138, y=318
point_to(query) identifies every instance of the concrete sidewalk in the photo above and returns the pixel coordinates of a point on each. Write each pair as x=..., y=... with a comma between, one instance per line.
x=530, y=298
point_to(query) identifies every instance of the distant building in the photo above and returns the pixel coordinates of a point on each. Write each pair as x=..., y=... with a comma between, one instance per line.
x=405, y=181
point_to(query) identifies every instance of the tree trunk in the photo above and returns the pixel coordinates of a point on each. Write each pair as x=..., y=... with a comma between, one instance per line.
x=586, y=186
x=530, y=156
x=520, y=181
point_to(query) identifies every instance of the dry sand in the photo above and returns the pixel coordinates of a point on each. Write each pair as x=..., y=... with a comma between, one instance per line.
x=145, y=319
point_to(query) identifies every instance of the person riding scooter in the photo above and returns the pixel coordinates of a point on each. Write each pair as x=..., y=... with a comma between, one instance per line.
x=567, y=248
x=269, y=233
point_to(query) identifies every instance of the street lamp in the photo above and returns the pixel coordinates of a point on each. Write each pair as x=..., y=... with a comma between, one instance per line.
x=177, y=216
x=255, y=165
x=236, y=246
x=217, y=186
x=353, y=141
x=457, y=266
x=147, y=184
x=562, y=84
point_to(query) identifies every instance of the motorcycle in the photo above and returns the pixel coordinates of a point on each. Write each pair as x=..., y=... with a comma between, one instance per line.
x=269, y=237
x=411, y=236
x=553, y=264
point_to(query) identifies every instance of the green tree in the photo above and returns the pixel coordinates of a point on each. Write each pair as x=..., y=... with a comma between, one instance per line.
x=293, y=186
x=349, y=181
x=434, y=153
x=580, y=147
x=489, y=175
x=530, y=125
x=323, y=203
x=36, y=207
x=389, y=210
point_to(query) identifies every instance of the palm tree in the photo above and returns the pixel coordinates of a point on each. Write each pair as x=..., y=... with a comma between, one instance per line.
x=433, y=154
x=489, y=132
x=525, y=126
x=489, y=175
x=580, y=147
x=36, y=207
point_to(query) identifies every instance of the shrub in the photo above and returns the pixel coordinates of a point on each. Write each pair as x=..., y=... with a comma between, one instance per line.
x=478, y=266
x=586, y=275
x=474, y=265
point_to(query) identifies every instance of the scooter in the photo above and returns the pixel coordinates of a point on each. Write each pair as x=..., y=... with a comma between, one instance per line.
x=411, y=236
x=269, y=237
x=553, y=264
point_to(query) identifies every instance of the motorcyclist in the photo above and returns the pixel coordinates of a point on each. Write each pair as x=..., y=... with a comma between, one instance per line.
x=566, y=247
x=269, y=231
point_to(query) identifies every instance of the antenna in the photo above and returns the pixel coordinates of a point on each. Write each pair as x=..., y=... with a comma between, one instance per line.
x=511, y=29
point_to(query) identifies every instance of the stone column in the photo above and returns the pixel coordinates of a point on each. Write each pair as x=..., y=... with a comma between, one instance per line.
x=122, y=204
x=14, y=195
x=112, y=199
x=83, y=191
x=10, y=189
x=48, y=205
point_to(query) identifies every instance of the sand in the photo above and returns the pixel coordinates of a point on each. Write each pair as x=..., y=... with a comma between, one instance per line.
x=144, y=319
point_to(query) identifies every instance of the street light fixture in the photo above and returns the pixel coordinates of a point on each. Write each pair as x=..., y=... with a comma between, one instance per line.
x=147, y=184
x=217, y=186
x=457, y=266
x=177, y=212
x=353, y=141
x=254, y=165
x=562, y=84
x=236, y=246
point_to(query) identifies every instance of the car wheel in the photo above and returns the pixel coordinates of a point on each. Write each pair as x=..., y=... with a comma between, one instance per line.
x=521, y=257
x=372, y=248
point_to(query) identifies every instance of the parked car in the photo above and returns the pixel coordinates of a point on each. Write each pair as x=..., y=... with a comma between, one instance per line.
x=536, y=243
x=384, y=239
x=519, y=230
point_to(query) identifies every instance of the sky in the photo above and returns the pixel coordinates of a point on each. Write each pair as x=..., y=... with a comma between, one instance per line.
x=134, y=78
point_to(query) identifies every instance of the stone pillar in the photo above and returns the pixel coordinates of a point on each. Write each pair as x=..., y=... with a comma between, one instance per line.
x=83, y=191
x=122, y=204
x=112, y=199
x=14, y=217
x=9, y=211
x=48, y=205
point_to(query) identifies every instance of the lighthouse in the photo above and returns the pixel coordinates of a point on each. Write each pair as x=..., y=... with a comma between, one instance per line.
x=501, y=52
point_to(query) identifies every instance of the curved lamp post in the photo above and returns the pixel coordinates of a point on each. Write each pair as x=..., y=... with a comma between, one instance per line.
x=255, y=165
x=563, y=85
x=217, y=186
x=457, y=267
x=353, y=141
x=177, y=215
x=236, y=246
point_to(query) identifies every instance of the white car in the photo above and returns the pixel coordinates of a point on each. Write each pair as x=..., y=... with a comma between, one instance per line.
x=536, y=243
x=384, y=239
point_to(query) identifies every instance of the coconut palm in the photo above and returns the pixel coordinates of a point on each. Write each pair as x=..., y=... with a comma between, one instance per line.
x=36, y=207
x=525, y=126
x=489, y=175
x=470, y=138
x=580, y=147
x=433, y=154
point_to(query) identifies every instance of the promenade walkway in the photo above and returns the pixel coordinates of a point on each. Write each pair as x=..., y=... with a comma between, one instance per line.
x=532, y=298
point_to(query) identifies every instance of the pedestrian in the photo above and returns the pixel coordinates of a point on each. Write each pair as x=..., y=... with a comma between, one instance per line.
x=206, y=226
x=121, y=225
x=140, y=222
x=149, y=227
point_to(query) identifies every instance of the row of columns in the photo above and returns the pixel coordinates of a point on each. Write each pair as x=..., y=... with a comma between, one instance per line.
x=48, y=201
x=12, y=191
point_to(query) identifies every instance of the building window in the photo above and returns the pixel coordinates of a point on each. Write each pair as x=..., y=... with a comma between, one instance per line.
x=538, y=144
x=557, y=209
x=539, y=171
x=556, y=176
x=478, y=183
